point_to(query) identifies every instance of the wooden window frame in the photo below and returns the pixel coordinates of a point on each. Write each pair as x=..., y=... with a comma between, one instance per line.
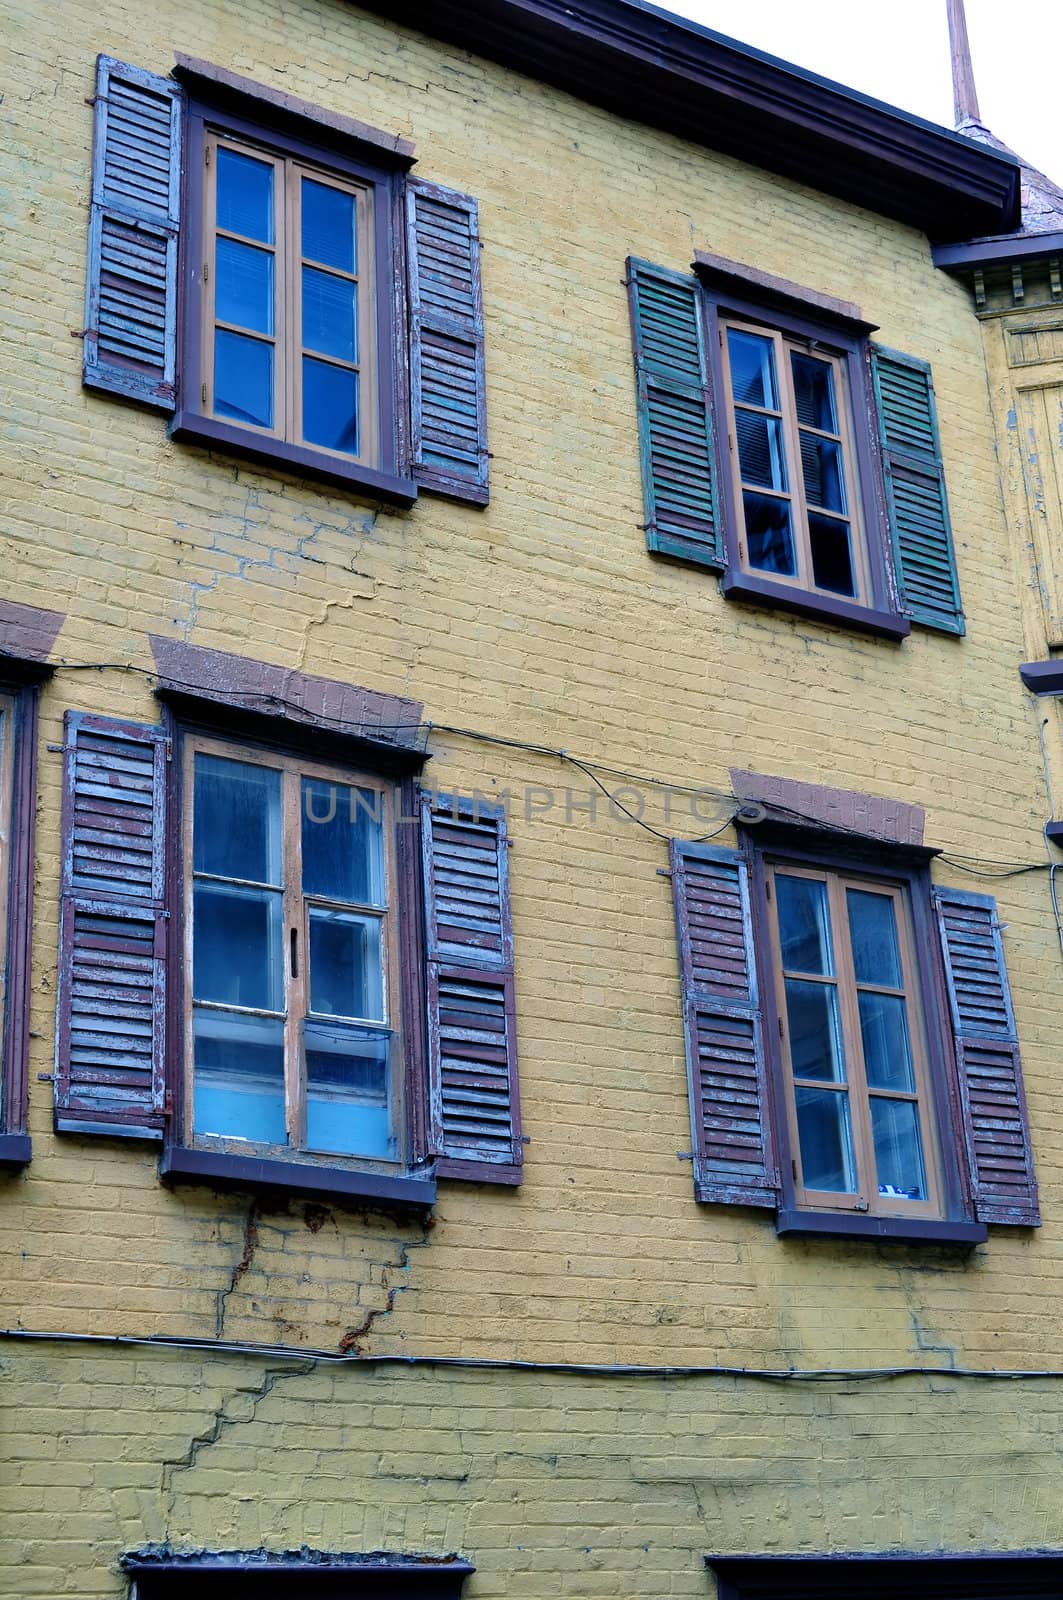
x=18, y=782
x=904, y=869
x=381, y=321
x=877, y=607
x=865, y=1198
x=399, y=1181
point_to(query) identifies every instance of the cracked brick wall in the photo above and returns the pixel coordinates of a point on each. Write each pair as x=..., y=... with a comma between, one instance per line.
x=544, y=619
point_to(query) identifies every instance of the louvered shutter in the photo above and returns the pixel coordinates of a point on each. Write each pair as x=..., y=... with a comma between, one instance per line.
x=447, y=396
x=915, y=491
x=992, y=1098
x=113, y=930
x=730, y=1106
x=474, y=1121
x=131, y=298
x=679, y=479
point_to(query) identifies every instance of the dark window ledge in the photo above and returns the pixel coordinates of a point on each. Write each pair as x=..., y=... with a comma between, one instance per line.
x=15, y=1150
x=181, y=1164
x=855, y=1225
x=190, y=427
x=1054, y=831
x=865, y=619
x=1043, y=677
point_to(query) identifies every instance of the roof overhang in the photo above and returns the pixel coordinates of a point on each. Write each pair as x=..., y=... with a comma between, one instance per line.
x=649, y=66
x=1000, y=251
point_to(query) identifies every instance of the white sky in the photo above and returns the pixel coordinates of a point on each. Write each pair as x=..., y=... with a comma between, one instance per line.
x=898, y=51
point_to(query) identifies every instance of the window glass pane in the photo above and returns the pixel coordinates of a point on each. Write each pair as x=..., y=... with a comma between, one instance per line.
x=873, y=930
x=244, y=292
x=804, y=924
x=243, y=378
x=343, y=842
x=236, y=946
x=346, y=972
x=330, y=406
x=752, y=369
x=887, y=1047
x=821, y=461
x=347, y=1074
x=898, y=1149
x=769, y=535
x=814, y=392
x=815, y=1033
x=239, y=1077
x=330, y=314
x=760, y=449
x=329, y=230
x=826, y=1140
x=236, y=820
x=245, y=195
x=832, y=557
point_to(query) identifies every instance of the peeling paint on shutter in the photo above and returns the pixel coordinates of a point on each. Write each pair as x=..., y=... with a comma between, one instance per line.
x=474, y=1114
x=993, y=1101
x=679, y=479
x=448, y=400
x=730, y=1108
x=131, y=298
x=915, y=491
x=110, y=1018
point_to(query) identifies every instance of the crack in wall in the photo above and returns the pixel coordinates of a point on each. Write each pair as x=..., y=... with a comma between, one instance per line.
x=353, y=1341
x=240, y=1267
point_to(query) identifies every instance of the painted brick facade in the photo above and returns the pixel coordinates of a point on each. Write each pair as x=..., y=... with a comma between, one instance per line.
x=543, y=619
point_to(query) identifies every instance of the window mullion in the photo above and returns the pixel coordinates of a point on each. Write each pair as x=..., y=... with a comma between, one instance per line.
x=798, y=508
x=295, y=958
x=855, y=1073
x=287, y=221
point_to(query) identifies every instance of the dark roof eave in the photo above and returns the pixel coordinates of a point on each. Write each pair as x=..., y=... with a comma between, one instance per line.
x=998, y=251
x=644, y=64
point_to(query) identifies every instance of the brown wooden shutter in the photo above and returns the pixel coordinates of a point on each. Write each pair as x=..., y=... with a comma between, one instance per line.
x=447, y=396
x=992, y=1098
x=110, y=1018
x=131, y=297
x=730, y=1104
x=474, y=1113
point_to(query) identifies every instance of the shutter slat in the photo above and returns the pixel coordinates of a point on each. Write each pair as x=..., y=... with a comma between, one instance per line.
x=447, y=393
x=113, y=930
x=130, y=343
x=474, y=1112
x=992, y=1096
x=920, y=526
x=734, y=1144
x=679, y=477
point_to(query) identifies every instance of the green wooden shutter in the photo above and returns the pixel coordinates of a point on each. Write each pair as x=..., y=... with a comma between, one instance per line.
x=915, y=491
x=131, y=294
x=675, y=415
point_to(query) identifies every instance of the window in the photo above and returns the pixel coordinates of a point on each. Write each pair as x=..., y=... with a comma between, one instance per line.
x=1032, y=1575
x=783, y=450
x=288, y=323
x=294, y=1034
x=852, y=1052
x=18, y=725
x=329, y=303
x=312, y=1575
x=793, y=463
x=858, y=1098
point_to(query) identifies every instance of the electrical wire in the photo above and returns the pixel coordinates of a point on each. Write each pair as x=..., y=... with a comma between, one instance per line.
x=588, y=1369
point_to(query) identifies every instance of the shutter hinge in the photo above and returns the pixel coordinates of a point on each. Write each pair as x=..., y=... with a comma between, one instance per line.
x=767, y=888
x=684, y=1155
x=46, y=1077
x=169, y=749
x=203, y=393
x=206, y=155
x=206, y=270
x=781, y=1033
x=664, y=872
x=57, y=749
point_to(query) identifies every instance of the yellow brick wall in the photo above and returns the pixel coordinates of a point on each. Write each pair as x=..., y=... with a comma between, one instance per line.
x=544, y=619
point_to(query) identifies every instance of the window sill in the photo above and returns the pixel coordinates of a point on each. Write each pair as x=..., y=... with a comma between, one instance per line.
x=181, y=1164
x=190, y=427
x=856, y=1225
x=15, y=1151
x=865, y=619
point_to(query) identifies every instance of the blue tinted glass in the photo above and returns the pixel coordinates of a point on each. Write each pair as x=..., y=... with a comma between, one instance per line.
x=832, y=557
x=347, y=1069
x=330, y=314
x=239, y=1077
x=804, y=924
x=815, y=1031
x=769, y=534
x=236, y=819
x=826, y=1140
x=752, y=369
x=898, y=1149
x=245, y=195
x=884, y=1035
x=236, y=945
x=346, y=974
x=343, y=842
x=243, y=378
x=329, y=226
x=760, y=449
x=330, y=406
x=244, y=289
x=814, y=392
x=821, y=461
x=873, y=930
